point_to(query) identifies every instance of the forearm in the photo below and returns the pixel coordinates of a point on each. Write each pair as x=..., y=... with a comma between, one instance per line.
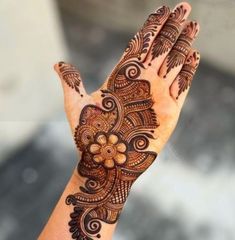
x=57, y=226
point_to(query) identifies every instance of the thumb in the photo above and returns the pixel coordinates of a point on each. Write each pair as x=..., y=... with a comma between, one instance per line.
x=74, y=91
x=71, y=79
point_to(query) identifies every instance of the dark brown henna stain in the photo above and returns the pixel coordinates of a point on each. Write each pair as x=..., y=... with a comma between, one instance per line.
x=188, y=70
x=113, y=140
x=140, y=43
x=169, y=33
x=181, y=49
x=70, y=75
x=152, y=24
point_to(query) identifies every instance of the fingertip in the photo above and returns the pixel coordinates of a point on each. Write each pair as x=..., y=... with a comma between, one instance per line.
x=196, y=26
x=193, y=58
x=181, y=12
x=185, y=5
x=163, y=9
x=198, y=58
x=58, y=65
x=191, y=29
x=198, y=55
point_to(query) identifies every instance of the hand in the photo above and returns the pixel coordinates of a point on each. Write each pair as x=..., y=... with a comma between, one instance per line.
x=120, y=128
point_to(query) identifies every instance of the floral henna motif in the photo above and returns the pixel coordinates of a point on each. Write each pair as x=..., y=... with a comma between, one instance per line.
x=108, y=150
x=113, y=139
x=70, y=75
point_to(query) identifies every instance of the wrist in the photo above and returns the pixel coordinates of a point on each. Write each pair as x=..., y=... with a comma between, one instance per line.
x=59, y=224
x=95, y=201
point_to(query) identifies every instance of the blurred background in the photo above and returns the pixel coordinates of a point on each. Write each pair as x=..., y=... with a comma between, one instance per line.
x=188, y=193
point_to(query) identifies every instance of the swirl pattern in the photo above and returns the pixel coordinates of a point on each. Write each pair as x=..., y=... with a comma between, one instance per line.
x=116, y=131
x=113, y=138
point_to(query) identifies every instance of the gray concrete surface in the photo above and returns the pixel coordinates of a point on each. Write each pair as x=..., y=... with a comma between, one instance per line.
x=31, y=43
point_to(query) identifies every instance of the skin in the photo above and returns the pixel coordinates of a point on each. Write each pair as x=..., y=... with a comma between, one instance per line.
x=162, y=53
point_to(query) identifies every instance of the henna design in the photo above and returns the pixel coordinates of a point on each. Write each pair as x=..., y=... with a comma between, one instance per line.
x=113, y=139
x=140, y=43
x=108, y=150
x=181, y=49
x=188, y=70
x=70, y=75
x=169, y=33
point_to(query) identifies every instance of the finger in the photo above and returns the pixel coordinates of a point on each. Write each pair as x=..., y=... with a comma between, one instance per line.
x=71, y=79
x=74, y=92
x=142, y=41
x=168, y=35
x=176, y=58
x=180, y=87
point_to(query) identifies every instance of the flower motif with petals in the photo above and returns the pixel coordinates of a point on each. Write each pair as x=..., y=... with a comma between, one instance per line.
x=108, y=150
